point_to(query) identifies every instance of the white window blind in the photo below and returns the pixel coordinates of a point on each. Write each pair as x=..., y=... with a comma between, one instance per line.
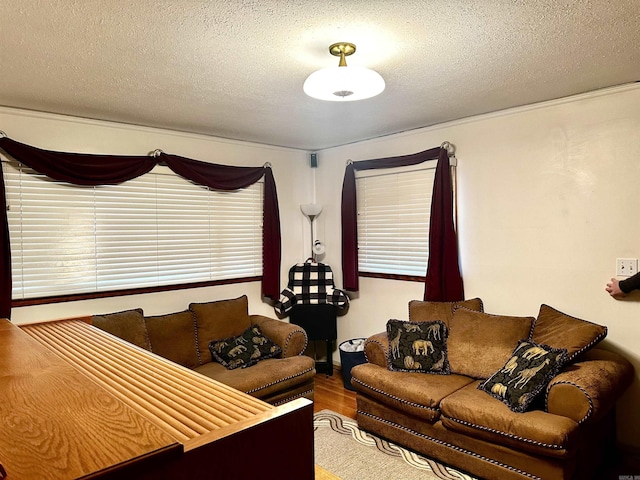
x=158, y=229
x=394, y=207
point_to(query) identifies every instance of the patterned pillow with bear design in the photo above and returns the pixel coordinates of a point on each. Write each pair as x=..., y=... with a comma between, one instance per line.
x=417, y=347
x=525, y=375
x=244, y=350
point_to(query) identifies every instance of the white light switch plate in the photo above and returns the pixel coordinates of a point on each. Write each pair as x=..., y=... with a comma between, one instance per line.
x=626, y=267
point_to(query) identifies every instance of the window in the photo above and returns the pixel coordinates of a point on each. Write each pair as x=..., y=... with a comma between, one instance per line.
x=394, y=207
x=156, y=230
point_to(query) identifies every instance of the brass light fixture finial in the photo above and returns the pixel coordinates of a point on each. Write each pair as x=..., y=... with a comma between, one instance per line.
x=342, y=50
x=343, y=83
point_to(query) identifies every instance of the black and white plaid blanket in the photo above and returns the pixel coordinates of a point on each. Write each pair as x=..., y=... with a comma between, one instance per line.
x=310, y=283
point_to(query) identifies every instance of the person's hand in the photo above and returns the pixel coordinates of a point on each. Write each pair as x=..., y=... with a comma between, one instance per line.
x=613, y=288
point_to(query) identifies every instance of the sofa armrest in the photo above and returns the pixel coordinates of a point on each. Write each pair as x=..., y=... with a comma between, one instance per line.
x=376, y=348
x=589, y=388
x=291, y=338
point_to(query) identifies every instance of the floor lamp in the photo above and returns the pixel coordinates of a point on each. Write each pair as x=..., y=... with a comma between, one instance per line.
x=311, y=211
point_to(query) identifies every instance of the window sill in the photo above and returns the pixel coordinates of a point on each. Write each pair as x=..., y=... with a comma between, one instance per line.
x=130, y=291
x=393, y=276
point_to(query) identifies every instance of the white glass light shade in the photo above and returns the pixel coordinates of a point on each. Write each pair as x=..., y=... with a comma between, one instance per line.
x=344, y=84
x=311, y=209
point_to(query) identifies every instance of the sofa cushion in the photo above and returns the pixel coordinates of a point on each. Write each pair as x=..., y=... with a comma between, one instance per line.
x=244, y=350
x=264, y=378
x=480, y=343
x=418, y=394
x=560, y=330
x=128, y=325
x=218, y=320
x=417, y=346
x=471, y=411
x=173, y=337
x=423, y=311
x=524, y=376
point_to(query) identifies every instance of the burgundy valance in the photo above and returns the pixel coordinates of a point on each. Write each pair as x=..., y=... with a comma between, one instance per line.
x=79, y=168
x=443, y=279
x=90, y=169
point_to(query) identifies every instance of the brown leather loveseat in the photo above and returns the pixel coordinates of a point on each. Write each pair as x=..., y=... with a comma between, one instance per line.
x=463, y=396
x=184, y=337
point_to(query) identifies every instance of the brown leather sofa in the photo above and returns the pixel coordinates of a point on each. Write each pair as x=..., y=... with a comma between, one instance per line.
x=184, y=337
x=563, y=434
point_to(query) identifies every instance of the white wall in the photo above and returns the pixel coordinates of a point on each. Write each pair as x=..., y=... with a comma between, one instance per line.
x=55, y=132
x=548, y=198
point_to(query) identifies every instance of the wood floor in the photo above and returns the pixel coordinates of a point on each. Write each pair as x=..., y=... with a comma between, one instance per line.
x=329, y=393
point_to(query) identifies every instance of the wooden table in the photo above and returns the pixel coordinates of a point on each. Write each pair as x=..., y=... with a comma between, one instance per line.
x=76, y=402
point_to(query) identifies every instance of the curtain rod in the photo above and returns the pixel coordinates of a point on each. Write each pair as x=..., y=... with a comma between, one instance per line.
x=449, y=147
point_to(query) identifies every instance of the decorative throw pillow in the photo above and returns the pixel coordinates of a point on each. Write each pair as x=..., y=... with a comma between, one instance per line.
x=128, y=325
x=244, y=350
x=417, y=346
x=560, y=330
x=525, y=375
x=424, y=311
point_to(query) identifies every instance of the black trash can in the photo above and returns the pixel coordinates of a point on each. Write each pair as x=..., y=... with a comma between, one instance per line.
x=351, y=354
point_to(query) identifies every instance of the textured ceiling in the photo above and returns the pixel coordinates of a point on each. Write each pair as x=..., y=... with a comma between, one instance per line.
x=235, y=68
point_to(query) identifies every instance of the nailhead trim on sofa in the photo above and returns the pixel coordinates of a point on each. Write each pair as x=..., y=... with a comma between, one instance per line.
x=280, y=381
x=293, y=397
x=505, y=434
x=398, y=399
x=453, y=447
x=195, y=331
x=286, y=342
x=381, y=346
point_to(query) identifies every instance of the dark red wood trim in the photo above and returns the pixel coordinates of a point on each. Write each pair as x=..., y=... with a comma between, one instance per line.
x=130, y=291
x=392, y=276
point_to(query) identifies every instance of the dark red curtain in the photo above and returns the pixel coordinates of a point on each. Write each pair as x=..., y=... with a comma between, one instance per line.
x=86, y=169
x=443, y=282
x=349, y=231
x=349, y=222
x=6, y=282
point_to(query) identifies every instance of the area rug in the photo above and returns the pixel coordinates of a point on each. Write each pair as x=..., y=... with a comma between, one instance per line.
x=348, y=453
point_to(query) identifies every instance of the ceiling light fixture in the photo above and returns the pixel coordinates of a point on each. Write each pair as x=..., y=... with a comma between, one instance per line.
x=342, y=83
